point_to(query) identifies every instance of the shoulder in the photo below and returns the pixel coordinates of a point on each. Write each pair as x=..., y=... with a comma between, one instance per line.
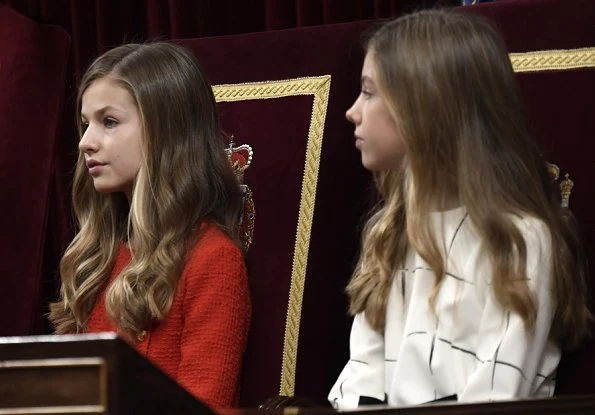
x=534, y=230
x=214, y=256
x=215, y=262
x=213, y=241
x=538, y=243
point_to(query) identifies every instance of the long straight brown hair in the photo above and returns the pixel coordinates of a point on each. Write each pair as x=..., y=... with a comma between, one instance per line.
x=447, y=79
x=184, y=178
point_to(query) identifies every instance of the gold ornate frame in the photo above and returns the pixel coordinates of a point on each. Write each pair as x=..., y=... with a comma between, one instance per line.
x=319, y=87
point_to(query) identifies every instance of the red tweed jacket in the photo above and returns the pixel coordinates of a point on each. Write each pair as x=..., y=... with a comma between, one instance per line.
x=201, y=342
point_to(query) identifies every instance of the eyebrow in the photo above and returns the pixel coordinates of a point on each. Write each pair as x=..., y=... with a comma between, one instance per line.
x=102, y=111
x=366, y=78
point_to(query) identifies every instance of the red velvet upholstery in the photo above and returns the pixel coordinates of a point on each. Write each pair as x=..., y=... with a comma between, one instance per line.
x=277, y=129
x=33, y=62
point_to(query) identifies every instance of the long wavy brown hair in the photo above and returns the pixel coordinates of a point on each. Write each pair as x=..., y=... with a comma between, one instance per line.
x=184, y=179
x=447, y=79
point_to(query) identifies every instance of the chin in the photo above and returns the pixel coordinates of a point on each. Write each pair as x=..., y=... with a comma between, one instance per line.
x=104, y=189
x=369, y=165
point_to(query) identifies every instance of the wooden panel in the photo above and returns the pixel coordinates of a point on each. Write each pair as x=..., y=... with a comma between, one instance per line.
x=45, y=383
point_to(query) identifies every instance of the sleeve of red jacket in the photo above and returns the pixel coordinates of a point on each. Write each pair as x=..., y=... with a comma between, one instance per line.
x=216, y=321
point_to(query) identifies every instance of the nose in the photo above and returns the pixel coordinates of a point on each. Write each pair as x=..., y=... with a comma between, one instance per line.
x=352, y=114
x=89, y=142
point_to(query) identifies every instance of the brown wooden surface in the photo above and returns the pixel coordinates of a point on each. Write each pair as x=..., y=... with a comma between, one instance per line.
x=568, y=405
x=53, y=382
x=67, y=373
x=99, y=374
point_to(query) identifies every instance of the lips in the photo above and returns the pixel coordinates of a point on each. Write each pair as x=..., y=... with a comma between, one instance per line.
x=358, y=142
x=94, y=167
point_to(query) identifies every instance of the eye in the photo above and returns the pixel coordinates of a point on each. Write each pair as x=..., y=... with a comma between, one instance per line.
x=110, y=123
x=366, y=94
x=84, y=126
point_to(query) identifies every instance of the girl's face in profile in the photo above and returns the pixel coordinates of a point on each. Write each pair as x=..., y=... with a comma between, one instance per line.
x=112, y=136
x=376, y=134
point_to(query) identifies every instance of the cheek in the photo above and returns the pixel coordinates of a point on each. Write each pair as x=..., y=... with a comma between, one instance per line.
x=401, y=147
x=134, y=151
x=379, y=118
x=385, y=131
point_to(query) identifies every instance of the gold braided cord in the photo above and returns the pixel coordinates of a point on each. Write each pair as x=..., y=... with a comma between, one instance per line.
x=270, y=89
x=319, y=87
x=549, y=60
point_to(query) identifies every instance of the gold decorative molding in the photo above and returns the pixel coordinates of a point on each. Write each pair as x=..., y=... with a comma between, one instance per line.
x=271, y=89
x=552, y=60
x=319, y=87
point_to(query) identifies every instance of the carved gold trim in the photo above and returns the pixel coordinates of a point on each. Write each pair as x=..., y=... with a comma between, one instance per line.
x=549, y=60
x=319, y=87
x=271, y=89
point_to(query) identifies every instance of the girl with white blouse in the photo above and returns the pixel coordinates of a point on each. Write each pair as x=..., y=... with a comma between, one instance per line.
x=471, y=278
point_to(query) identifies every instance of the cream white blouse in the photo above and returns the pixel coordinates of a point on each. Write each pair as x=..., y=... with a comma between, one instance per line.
x=470, y=348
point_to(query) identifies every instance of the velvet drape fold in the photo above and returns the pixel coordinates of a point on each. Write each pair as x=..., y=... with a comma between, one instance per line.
x=96, y=25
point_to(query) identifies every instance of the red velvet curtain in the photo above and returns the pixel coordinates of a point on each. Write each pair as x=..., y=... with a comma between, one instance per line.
x=96, y=25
